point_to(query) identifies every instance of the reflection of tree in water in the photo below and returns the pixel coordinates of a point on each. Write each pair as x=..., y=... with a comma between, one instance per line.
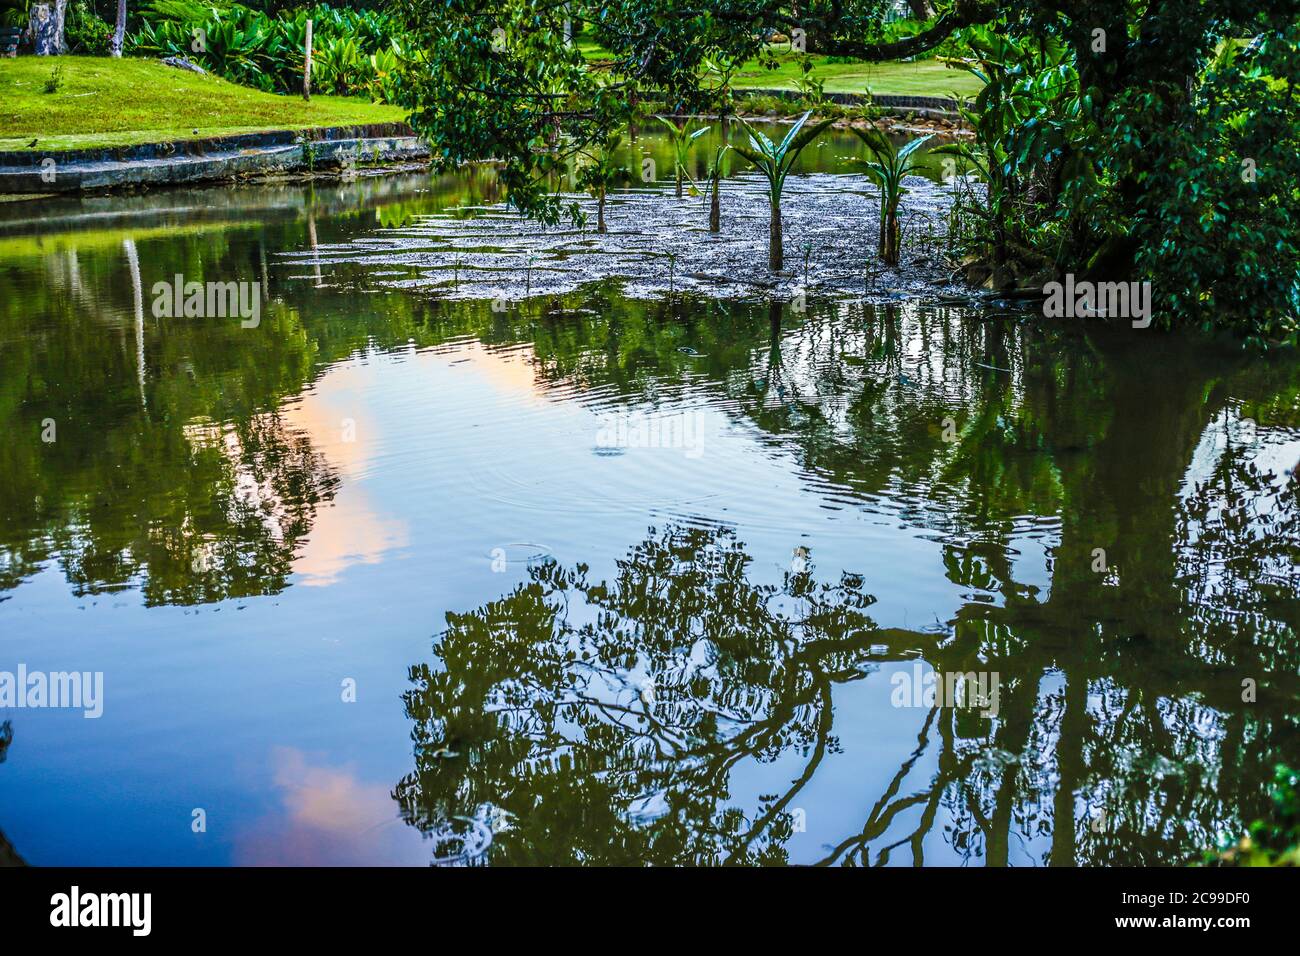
x=538, y=714
x=1131, y=716
x=224, y=519
x=605, y=718
x=1123, y=736
x=1121, y=692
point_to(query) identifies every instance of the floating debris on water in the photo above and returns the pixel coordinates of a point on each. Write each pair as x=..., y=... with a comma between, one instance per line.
x=659, y=245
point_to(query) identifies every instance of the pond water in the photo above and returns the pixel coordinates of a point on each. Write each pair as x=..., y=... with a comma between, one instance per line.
x=396, y=577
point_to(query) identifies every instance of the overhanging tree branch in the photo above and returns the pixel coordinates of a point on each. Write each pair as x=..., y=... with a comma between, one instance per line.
x=965, y=13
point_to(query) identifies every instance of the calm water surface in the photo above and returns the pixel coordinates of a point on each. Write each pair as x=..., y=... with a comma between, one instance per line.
x=622, y=581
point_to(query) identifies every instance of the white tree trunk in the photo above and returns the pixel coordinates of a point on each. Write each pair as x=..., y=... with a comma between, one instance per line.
x=45, y=27
x=119, y=31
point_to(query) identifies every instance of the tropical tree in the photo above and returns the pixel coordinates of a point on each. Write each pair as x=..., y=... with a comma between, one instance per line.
x=888, y=165
x=774, y=161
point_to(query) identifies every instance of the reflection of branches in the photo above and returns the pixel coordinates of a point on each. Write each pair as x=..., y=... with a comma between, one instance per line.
x=733, y=680
x=883, y=813
x=778, y=806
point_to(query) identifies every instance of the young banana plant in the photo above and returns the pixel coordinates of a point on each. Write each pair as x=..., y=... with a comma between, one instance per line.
x=887, y=165
x=599, y=172
x=681, y=140
x=715, y=178
x=774, y=160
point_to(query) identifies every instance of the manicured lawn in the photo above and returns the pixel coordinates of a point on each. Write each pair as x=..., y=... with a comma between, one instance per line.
x=105, y=102
x=921, y=78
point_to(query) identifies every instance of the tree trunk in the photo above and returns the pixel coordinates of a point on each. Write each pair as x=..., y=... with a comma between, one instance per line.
x=306, y=63
x=882, y=246
x=889, y=236
x=679, y=182
x=45, y=26
x=119, y=31
x=775, y=254
x=600, y=211
x=715, y=206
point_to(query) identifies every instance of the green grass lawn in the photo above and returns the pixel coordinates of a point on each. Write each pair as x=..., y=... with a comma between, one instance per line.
x=920, y=78
x=105, y=102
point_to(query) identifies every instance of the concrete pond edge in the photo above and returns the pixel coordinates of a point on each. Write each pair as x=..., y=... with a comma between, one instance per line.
x=207, y=158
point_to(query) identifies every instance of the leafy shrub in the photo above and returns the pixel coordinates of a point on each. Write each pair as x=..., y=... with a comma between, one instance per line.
x=353, y=52
x=54, y=80
x=1196, y=193
x=85, y=31
x=1220, y=232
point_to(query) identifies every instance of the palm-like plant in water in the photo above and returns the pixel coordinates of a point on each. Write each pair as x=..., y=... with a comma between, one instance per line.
x=774, y=160
x=715, y=177
x=600, y=172
x=681, y=139
x=887, y=165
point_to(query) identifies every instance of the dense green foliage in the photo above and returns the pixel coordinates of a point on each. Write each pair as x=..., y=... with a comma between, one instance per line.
x=1218, y=216
x=1116, y=137
x=353, y=53
x=1201, y=204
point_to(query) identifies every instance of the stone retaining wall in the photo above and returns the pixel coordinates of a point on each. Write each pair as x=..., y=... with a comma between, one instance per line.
x=210, y=158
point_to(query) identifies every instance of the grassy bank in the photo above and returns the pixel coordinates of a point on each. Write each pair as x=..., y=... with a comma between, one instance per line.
x=103, y=102
x=920, y=78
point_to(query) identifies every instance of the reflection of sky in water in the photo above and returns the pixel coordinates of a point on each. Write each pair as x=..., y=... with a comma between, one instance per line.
x=450, y=458
x=456, y=452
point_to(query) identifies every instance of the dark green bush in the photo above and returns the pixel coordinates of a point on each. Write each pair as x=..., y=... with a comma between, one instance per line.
x=1274, y=840
x=85, y=31
x=353, y=52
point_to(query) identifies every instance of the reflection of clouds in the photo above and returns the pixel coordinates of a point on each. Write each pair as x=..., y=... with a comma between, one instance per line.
x=510, y=371
x=345, y=534
x=328, y=818
x=354, y=529
x=351, y=530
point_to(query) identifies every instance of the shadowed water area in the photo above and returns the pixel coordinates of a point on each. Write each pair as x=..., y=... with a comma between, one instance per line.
x=619, y=574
